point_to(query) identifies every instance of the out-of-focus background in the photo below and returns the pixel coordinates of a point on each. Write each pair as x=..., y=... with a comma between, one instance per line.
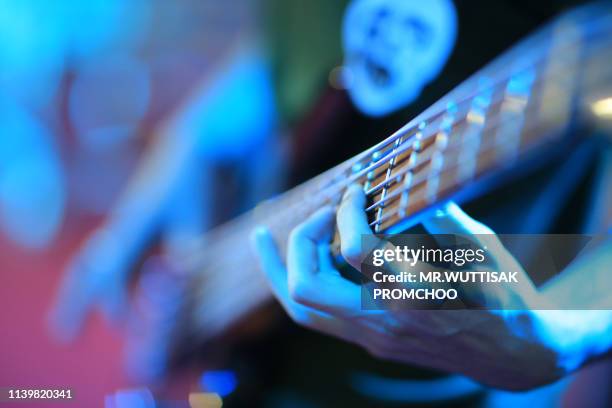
x=83, y=88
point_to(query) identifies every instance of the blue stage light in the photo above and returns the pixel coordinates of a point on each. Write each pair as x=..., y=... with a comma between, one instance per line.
x=222, y=382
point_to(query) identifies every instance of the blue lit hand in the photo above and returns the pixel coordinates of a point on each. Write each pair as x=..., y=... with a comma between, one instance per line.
x=96, y=275
x=502, y=349
x=168, y=193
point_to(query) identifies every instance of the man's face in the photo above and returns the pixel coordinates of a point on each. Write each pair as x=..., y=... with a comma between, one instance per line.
x=393, y=48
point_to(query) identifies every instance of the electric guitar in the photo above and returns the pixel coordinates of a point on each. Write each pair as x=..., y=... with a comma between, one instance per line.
x=514, y=115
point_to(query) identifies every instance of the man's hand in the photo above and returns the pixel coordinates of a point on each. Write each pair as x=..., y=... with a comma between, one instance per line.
x=505, y=349
x=97, y=275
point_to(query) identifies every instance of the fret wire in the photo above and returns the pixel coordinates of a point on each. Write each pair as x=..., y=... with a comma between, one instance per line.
x=430, y=134
x=421, y=196
x=380, y=186
x=488, y=147
x=453, y=143
x=437, y=157
x=388, y=174
x=476, y=120
x=353, y=178
x=427, y=133
x=490, y=142
x=485, y=147
x=405, y=171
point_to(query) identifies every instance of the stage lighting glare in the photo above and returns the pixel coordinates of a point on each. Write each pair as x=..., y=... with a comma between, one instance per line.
x=603, y=107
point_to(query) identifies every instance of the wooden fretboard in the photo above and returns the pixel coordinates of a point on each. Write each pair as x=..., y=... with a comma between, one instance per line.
x=513, y=112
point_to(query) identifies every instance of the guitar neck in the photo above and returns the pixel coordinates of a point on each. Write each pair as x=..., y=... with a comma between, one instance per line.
x=515, y=108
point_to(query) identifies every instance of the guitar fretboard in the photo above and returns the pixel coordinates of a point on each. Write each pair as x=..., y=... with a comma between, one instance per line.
x=518, y=106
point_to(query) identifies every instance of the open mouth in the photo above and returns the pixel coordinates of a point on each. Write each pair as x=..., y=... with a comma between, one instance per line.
x=378, y=73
